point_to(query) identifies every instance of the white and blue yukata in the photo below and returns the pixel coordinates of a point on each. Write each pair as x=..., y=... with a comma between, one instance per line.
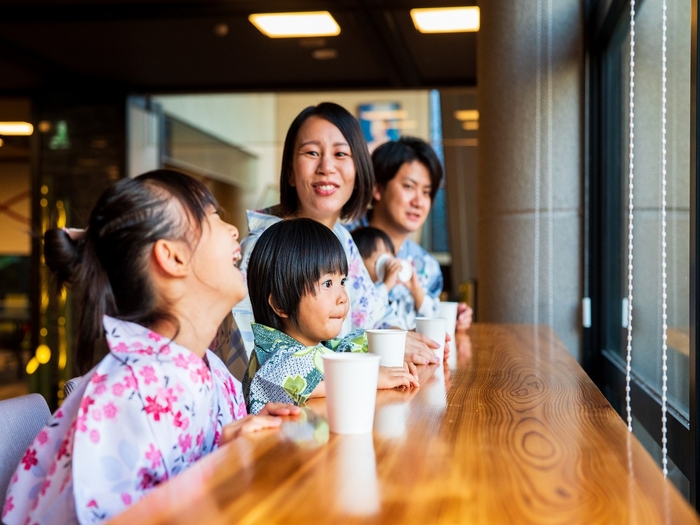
x=283, y=370
x=429, y=275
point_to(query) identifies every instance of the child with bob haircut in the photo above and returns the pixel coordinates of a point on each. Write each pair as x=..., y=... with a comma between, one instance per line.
x=374, y=244
x=296, y=283
x=156, y=271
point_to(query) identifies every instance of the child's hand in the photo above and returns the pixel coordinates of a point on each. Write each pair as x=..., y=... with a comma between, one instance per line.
x=391, y=273
x=247, y=425
x=464, y=316
x=266, y=418
x=279, y=409
x=395, y=376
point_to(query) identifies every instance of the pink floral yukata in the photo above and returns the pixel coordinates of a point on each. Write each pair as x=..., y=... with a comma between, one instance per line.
x=146, y=412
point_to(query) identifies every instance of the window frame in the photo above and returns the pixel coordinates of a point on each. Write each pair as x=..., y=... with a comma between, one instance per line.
x=603, y=235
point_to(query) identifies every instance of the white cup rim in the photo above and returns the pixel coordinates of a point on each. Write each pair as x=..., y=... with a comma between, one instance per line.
x=385, y=331
x=429, y=319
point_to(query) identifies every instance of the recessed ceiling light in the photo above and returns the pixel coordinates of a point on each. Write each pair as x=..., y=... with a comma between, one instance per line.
x=16, y=128
x=291, y=25
x=221, y=29
x=312, y=43
x=470, y=125
x=467, y=114
x=446, y=19
x=324, y=54
x=1, y=143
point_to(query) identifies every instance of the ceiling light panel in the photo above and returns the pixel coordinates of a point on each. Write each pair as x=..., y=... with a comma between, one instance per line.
x=16, y=128
x=446, y=19
x=296, y=25
x=467, y=114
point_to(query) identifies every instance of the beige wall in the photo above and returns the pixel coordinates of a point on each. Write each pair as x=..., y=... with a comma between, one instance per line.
x=15, y=181
x=247, y=121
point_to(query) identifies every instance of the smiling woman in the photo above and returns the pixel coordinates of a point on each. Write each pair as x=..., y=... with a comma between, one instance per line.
x=326, y=175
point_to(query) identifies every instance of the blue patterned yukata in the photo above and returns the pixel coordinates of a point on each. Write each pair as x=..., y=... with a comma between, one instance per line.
x=284, y=370
x=429, y=275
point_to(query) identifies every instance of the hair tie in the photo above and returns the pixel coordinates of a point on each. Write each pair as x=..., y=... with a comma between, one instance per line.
x=75, y=234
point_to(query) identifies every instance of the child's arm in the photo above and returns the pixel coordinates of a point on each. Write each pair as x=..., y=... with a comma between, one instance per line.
x=319, y=391
x=268, y=417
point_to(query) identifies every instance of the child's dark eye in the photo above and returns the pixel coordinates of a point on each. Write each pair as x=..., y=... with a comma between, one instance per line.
x=327, y=284
x=343, y=281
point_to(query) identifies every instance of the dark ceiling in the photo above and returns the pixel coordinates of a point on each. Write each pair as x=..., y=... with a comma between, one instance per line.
x=173, y=46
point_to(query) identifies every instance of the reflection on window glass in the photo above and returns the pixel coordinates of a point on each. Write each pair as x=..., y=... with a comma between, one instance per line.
x=647, y=299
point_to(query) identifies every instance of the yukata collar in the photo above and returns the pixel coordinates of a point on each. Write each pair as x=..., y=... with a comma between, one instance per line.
x=125, y=337
x=266, y=337
x=260, y=220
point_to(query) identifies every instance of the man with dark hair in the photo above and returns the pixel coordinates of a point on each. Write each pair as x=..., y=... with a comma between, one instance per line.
x=408, y=174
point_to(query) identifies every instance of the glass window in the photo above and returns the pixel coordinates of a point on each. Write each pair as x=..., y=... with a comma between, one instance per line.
x=647, y=299
x=647, y=251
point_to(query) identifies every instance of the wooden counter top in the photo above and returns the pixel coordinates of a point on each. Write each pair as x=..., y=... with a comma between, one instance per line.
x=512, y=432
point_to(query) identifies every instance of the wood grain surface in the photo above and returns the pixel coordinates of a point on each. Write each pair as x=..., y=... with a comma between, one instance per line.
x=512, y=431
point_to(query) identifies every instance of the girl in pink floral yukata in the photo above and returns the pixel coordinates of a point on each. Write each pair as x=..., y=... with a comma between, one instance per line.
x=156, y=270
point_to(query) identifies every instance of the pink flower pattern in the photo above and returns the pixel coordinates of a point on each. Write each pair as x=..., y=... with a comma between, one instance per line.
x=153, y=455
x=8, y=506
x=149, y=375
x=29, y=459
x=118, y=389
x=181, y=361
x=110, y=410
x=113, y=414
x=185, y=442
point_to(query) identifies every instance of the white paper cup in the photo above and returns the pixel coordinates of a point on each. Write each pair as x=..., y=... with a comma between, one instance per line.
x=433, y=328
x=388, y=344
x=351, y=391
x=405, y=273
x=448, y=311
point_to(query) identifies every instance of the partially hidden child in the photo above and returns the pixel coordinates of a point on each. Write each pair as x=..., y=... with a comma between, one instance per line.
x=387, y=271
x=296, y=283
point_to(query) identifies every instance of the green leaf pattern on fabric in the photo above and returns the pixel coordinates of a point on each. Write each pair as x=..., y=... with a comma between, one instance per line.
x=284, y=370
x=295, y=386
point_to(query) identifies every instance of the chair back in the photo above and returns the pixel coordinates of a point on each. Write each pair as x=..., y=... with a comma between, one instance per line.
x=21, y=418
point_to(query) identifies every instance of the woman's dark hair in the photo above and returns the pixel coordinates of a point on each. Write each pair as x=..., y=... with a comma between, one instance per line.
x=390, y=156
x=366, y=239
x=350, y=128
x=109, y=263
x=287, y=262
